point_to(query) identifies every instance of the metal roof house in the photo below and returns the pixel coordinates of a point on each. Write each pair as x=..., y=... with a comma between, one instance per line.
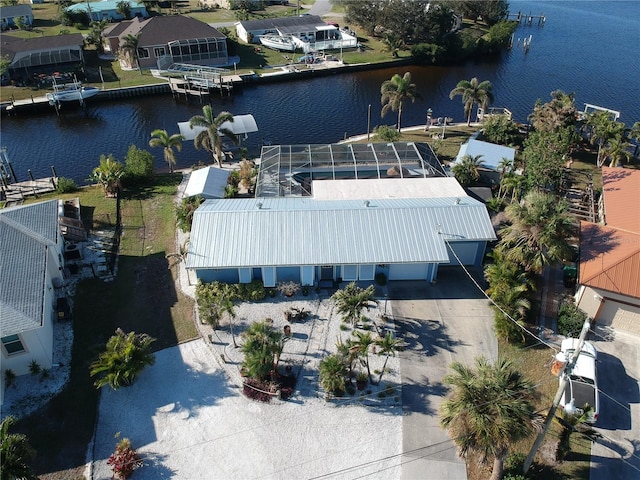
x=359, y=222
x=609, y=278
x=31, y=262
x=108, y=10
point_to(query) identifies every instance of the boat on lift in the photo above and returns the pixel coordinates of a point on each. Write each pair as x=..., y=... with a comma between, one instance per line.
x=69, y=92
x=278, y=42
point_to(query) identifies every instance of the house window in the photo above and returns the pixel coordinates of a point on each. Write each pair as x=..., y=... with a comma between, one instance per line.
x=158, y=52
x=143, y=53
x=12, y=344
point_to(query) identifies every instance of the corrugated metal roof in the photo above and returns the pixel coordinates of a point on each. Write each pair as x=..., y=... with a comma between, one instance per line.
x=304, y=231
x=26, y=232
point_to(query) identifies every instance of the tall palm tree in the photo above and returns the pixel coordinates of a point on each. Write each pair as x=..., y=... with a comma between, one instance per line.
x=361, y=345
x=129, y=48
x=468, y=170
x=616, y=150
x=210, y=138
x=168, y=143
x=394, y=93
x=488, y=409
x=15, y=453
x=539, y=231
x=352, y=299
x=560, y=112
x=473, y=92
x=126, y=355
x=388, y=346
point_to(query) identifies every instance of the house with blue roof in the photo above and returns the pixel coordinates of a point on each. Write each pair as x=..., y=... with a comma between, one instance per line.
x=31, y=270
x=108, y=10
x=332, y=213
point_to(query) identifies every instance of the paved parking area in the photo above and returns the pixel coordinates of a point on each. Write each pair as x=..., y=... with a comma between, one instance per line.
x=617, y=454
x=446, y=322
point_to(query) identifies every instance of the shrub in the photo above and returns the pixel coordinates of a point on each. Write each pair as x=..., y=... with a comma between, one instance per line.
x=124, y=460
x=288, y=289
x=138, y=164
x=251, y=291
x=387, y=133
x=34, y=367
x=185, y=211
x=66, y=185
x=427, y=53
x=570, y=319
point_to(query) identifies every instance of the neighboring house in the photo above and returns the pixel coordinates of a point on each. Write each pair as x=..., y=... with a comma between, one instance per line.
x=210, y=182
x=491, y=154
x=164, y=40
x=340, y=213
x=309, y=32
x=108, y=10
x=31, y=269
x=38, y=54
x=609, y=268
x=8, y=16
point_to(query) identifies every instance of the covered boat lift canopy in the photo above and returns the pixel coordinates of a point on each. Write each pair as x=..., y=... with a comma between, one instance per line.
x=241, y=126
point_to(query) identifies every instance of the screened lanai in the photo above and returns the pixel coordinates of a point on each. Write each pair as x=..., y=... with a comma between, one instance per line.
x=289, y=170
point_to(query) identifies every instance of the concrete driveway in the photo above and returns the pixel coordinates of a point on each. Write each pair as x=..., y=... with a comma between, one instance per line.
x=617, y=454
x=442, y=323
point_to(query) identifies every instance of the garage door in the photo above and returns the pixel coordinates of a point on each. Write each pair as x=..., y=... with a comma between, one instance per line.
x=620, y=316
x=466, y=252
x=408, y=271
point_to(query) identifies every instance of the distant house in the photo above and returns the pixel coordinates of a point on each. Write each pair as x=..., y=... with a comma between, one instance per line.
x=107, y=10
x=229, y=4
x=31, y=262
x=325, y=213
x=8, y=16
x=609, y=268
x=164, y=40
x=308, y=32
x=40, y=54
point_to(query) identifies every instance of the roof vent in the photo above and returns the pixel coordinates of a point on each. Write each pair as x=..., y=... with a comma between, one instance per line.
x=367, y=203
x=259, y=205
x=457, y=200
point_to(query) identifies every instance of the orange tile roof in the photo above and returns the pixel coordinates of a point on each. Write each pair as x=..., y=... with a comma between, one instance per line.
x=610, y=259
x=621, y=191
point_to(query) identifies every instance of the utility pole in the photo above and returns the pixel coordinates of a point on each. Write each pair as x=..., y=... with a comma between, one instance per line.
x=566, y=370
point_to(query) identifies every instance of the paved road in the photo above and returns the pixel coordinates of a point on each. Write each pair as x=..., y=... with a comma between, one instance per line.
x=617, y=455
x=449, y=321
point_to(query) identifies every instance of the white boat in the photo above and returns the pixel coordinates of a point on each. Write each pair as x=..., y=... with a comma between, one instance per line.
x=278, y=42
x=71, y=92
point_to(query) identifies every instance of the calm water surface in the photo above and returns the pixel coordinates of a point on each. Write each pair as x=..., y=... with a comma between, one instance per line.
x=586, y=47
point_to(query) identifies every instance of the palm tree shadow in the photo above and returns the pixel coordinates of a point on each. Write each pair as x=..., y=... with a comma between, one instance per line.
x=416, y=396
x=425, y=337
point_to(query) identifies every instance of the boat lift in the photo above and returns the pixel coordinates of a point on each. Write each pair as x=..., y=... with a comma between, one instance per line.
x=199, y=78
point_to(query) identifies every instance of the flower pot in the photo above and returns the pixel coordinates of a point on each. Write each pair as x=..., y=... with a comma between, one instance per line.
x=361, y=384
x=287, y=330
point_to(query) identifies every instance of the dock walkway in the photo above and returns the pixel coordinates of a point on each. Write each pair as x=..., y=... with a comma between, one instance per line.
x=15, y=193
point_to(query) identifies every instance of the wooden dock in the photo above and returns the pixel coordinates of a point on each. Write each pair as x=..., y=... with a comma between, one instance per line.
x=15, y=193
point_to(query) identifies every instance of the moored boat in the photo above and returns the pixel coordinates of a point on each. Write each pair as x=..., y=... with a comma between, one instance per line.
x=72, y=92
x=278, y=42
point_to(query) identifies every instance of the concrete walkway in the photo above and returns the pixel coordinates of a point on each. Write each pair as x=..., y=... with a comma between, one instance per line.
x=449, y=321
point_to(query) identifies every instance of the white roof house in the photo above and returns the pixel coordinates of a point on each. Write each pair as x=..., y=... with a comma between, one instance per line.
x=210, y=182
x=355, y=225
x=491, y=154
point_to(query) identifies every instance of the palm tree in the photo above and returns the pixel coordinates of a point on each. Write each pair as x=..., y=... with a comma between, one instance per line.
x=331, y=374
x=262, y=349
x=15, y=453
x=129, y=48
x=473, y=92
x=388, y=346
x=108, y=174
x=210, y=138
x=489, y=408
x=352, y=299
x=395, y=92
x=616, y=150
x=468, y=170
x=361, y=345
x=126, y=355
x=539, y=231
x=392, y=44
x=185, y=211
x=560, y=112
x=168, y=143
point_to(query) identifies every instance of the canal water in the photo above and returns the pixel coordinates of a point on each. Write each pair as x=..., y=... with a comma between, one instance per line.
x=588, y=48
